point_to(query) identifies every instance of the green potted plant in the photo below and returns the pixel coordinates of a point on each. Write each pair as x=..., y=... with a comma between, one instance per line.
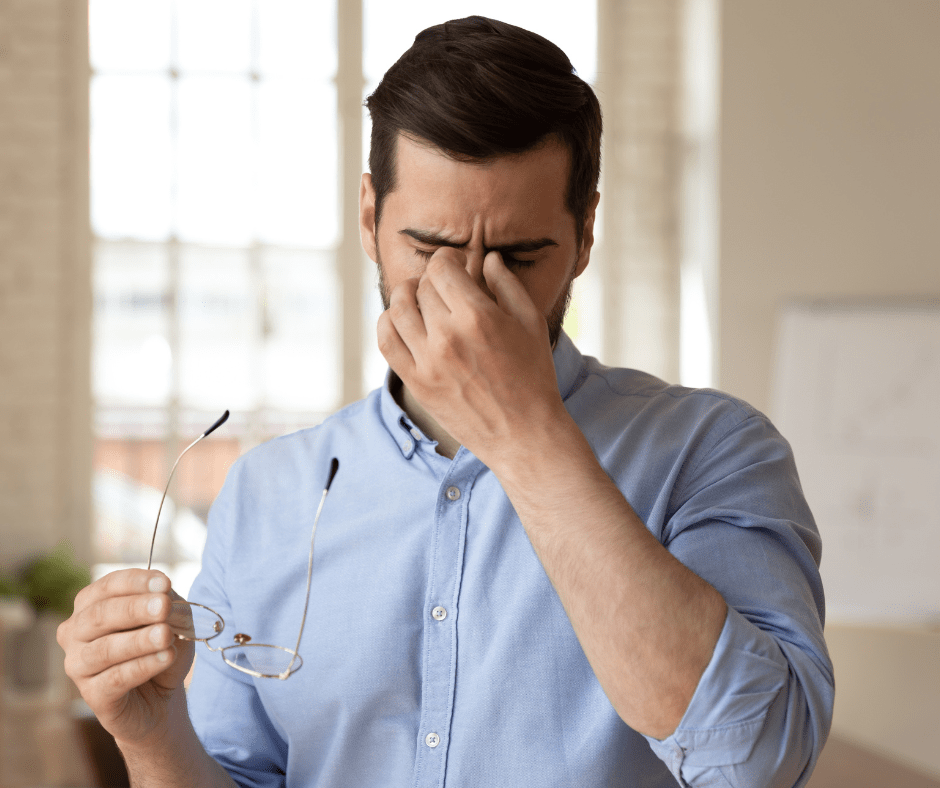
x=49, y=584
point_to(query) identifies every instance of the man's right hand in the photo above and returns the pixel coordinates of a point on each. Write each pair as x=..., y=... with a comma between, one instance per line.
x=121, y=654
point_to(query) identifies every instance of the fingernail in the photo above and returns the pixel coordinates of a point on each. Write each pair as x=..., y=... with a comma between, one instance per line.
x=153, y=606
x=158, y=584
x=155, y=636
x=164, y=656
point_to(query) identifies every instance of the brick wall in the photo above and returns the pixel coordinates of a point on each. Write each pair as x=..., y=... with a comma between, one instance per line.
x=639, y=87
x=45, y=283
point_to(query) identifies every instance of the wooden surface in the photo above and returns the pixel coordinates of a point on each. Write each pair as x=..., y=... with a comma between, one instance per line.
x=845, y=765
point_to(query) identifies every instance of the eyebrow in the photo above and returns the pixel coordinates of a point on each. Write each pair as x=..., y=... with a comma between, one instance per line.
x=517, y=247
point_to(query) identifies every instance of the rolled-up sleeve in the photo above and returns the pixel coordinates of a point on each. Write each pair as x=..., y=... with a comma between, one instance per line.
x=762, y=709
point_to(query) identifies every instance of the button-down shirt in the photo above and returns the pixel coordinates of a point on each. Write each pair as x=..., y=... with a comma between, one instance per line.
x=436, y=651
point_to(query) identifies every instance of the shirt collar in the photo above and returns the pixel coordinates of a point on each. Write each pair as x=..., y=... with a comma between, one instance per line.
x=569, y=364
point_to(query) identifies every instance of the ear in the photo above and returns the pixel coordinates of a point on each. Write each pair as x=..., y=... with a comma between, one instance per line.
x=367, y=226
x=587, y=237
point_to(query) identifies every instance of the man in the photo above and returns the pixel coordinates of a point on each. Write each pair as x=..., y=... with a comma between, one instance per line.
x=531, y=570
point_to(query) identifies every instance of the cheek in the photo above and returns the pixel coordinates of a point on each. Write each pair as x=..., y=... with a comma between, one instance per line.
x=398, y=261
x=544, y=287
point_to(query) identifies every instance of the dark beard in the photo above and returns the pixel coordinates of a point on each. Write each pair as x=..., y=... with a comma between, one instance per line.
x=555, y=319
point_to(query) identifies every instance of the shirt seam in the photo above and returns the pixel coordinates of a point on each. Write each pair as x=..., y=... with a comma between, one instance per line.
x=695, y=461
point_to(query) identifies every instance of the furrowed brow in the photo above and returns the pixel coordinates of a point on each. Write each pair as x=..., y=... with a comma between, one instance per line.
x=432, y=239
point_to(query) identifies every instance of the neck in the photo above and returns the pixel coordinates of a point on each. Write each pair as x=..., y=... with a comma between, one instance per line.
x=446, y=445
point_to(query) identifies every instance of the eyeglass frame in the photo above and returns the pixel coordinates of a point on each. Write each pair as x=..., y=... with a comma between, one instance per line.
x=242, y=640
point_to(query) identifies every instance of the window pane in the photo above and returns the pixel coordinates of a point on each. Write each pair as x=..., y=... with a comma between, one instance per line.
x=297, y=37
x=131, y=359
x=125, y=513
x=219, y=329
x=130, y=156
x=214, y=35
x=301, y=350
x=215, y=160
x=129, y=36
x=297, y=194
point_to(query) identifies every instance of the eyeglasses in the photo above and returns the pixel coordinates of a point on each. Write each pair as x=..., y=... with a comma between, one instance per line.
x=195, y=622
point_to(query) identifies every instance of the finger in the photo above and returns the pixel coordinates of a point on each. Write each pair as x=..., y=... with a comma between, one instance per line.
x=510, y=293
x=393, y=347
x=124, y=582
x=120, y=614
x=110, y=650
x=455, y=286
x=114, y=683
x=432, y=306
x=405, y=314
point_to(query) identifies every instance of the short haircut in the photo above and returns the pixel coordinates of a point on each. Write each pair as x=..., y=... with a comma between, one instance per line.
x=477, y=88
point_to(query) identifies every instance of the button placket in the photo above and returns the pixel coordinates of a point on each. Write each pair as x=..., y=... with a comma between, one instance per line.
x=440, y=653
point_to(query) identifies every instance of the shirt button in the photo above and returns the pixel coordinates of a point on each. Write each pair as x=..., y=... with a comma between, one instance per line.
x=452, y=493
x=432, y=740
x=415, y=434
x=439, y=613
x=406, y=446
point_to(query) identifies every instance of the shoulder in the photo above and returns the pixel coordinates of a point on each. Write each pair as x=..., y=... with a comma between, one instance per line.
x=641, y=401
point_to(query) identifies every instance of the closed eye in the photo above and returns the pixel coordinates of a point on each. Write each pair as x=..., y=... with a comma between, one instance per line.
x=508, y=260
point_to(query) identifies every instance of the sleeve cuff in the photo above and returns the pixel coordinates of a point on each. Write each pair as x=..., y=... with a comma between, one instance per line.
x=720, y=727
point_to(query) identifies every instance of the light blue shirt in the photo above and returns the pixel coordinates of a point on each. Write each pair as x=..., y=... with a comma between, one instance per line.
x=436, y=651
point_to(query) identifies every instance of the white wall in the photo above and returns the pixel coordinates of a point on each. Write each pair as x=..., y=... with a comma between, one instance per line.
x=830, y=187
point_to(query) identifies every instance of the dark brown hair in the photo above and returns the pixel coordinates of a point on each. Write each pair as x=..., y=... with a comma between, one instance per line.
x=478, y=88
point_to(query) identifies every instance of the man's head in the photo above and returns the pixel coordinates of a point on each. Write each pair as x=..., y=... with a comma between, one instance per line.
x=478, y=89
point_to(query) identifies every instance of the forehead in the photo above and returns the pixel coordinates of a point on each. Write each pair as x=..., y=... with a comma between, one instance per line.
x=502, y=194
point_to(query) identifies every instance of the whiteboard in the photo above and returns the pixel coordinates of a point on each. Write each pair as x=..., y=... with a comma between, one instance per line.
x=857, y=393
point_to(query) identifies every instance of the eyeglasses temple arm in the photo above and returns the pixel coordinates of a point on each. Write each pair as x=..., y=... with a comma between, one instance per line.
x=219, y=422
x=334, y=466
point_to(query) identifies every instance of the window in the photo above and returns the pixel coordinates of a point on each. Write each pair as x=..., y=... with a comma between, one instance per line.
x=214, y=207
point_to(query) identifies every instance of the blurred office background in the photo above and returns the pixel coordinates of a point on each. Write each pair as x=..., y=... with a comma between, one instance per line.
x=178, y=236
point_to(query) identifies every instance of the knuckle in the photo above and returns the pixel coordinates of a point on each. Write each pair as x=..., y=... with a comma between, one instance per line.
x=114, y=682
x=108, y=583
x=385, y=344
x=84, y=597
x=71, y=668
x=80, y=598
x=97, y=614
x=448, y=347
x=424, y=286
x=398, y=309
x=475, y=323
x=92, y=654
x=62, y=632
